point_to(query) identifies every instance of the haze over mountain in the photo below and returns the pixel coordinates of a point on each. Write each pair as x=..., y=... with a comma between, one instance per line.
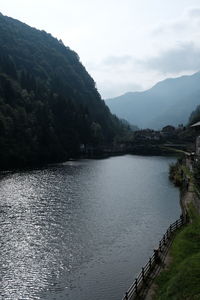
x=168, y=102
x=49, y=104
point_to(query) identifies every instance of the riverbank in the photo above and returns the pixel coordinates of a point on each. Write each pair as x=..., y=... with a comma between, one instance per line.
x=96, y=154
x=89, y=219
x=179, y=276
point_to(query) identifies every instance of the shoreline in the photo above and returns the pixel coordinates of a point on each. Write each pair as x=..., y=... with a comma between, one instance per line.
x=36, y=166
x=185, y=200
x=187, y=197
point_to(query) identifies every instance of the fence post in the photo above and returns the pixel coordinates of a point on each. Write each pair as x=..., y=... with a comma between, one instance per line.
x=143, y=277
x=136, y=286
x=150, y=265
x=160, y=246
x=126, y=296
x=182, y=220
x=176, y=224
x=157, y=258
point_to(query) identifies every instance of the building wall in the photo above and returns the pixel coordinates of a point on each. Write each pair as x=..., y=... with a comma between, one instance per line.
x=198, y=145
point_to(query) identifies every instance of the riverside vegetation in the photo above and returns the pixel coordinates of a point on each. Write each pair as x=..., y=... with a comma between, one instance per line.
x=181, y=280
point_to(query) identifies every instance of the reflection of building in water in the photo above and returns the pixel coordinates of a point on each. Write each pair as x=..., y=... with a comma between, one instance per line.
x=196, y=126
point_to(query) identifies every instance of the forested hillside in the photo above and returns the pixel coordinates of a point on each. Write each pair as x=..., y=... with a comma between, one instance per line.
x=49, y=105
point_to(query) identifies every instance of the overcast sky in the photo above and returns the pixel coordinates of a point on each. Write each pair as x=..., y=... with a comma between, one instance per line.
x=126, y=45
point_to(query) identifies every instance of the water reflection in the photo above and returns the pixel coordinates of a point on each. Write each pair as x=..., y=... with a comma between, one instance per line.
x=79, y=228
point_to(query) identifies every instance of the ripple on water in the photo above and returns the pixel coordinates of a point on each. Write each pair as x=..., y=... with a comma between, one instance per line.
x=77, y=230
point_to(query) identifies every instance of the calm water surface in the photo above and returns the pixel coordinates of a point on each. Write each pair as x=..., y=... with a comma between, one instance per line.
x=83, y=229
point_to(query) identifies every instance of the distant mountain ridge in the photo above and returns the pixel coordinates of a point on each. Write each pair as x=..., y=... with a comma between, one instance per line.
x=170, y=101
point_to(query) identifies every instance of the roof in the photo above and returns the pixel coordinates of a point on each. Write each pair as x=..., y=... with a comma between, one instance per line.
x=195, y=124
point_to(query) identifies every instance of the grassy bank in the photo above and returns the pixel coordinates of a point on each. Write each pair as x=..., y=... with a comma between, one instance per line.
x=182, y=278
x=179, y=173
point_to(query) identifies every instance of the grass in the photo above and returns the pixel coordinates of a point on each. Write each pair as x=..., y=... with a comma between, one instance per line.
x=182, y=279
x=179, y=172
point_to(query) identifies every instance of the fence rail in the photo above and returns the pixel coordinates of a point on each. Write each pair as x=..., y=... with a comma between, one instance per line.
x=155, y=260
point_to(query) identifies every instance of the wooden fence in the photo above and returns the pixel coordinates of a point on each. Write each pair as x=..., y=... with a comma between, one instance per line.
x=142, y=281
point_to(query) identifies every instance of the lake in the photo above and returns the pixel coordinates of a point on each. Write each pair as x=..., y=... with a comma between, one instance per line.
x=82, y=229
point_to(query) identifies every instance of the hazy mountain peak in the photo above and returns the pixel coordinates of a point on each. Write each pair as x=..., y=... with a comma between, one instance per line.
x=168, y=102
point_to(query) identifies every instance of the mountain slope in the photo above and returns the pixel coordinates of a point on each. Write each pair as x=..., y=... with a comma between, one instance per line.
x=49, y=105
x=168, y=102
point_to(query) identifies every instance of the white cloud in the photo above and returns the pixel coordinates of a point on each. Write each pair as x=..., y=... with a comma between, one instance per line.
x=115, y=88
x=193, y=13
x=118, y=60
x=172, y=48
x=184, y=57
x=124, y=44
x=182, y=29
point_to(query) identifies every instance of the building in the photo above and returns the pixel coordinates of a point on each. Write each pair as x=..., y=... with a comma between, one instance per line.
x=196, y=126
